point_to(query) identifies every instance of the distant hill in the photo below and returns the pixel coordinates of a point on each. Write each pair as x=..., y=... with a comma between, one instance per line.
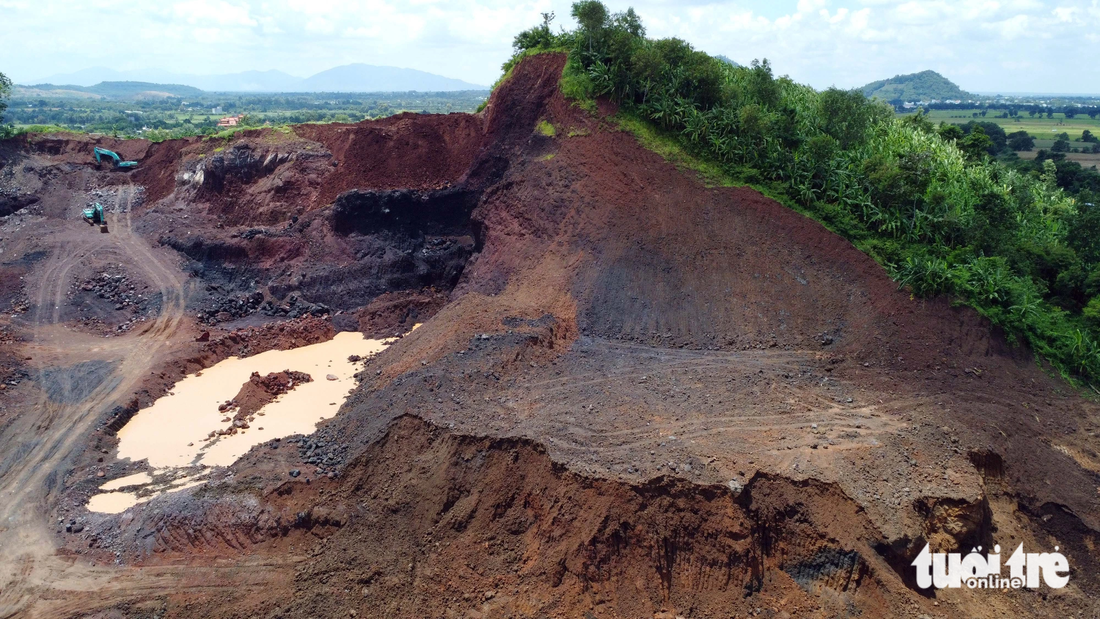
x=923, y=86
x=727, y=60
x=129, y=90
x=347, y=78
x=118, y=90
x=370, y=78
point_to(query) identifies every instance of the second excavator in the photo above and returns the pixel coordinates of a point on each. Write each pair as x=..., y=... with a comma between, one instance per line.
x=95, y=215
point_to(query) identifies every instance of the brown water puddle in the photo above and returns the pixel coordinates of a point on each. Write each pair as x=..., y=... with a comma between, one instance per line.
x=174, y=432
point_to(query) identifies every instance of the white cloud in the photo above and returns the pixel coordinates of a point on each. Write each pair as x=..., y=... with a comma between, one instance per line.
x=1008, y=45
x=211, y=11
x=1013, y=27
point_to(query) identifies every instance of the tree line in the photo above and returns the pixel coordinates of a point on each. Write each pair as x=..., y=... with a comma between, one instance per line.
x=1089, y=107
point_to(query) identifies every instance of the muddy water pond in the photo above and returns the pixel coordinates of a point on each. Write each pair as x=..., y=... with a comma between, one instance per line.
x=174, y=433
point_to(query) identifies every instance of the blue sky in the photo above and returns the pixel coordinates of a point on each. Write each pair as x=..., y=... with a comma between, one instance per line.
x=983, y=45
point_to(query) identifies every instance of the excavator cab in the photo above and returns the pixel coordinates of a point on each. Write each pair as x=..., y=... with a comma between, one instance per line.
x=94, y=215
x=103, y=153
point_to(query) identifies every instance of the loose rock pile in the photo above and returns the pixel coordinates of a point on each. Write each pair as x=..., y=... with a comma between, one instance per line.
x=259, y=390
x=294, y=308
x=115, y=287
x=225, y=309
x=254, y=395
x=322, y=451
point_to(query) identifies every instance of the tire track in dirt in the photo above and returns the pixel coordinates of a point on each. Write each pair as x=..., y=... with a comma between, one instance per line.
x=862, y=420
x=625, y=403
x=48, y=437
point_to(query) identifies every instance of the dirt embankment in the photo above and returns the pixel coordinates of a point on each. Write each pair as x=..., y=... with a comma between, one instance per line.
x=494, y=526
x=635, y=395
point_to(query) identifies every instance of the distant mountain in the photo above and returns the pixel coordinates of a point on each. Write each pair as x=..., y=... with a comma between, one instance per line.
x=95, y=75
x=347, y=78
x=727, y=60
x=923, y=86
x=369, y=78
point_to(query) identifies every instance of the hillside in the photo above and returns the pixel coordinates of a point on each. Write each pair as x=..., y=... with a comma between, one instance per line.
x=923, y=86
x=113, y=90
x=630, y=393
x=649, y=335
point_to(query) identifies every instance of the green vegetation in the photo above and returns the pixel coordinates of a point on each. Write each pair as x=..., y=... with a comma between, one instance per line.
x=122, y=90
x=1018, y=241
x=40, y=129
x=166, y=117
x=1039, y=127
x=5, y=91
x=547, y=129
x=923, y=86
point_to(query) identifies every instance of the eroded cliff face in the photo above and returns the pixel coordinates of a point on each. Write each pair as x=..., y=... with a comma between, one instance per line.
x=629, y=394
x=427, y=521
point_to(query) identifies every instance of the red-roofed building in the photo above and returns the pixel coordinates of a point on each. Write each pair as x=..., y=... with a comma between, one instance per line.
x=230, y=121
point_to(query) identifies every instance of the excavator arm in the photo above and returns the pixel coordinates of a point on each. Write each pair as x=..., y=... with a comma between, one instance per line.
x=100, y=153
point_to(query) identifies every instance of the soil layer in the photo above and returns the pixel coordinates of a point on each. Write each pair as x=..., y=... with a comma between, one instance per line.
x=632, y=394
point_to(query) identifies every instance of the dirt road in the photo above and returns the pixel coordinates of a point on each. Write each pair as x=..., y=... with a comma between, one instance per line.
x=81, y=376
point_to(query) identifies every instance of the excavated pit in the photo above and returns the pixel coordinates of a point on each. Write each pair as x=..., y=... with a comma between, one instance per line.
x=632, y=394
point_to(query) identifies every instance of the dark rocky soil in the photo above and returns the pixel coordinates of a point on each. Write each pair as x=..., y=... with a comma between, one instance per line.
x=631, y=394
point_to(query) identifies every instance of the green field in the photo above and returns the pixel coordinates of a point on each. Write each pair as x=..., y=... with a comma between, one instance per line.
x=1087, y=160
x=1040, y=128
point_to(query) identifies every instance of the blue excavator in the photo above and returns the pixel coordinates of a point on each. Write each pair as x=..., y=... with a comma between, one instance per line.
x=94, y=215
x=103, y=153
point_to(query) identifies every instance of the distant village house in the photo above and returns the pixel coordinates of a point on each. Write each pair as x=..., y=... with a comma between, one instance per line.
x=230, y=121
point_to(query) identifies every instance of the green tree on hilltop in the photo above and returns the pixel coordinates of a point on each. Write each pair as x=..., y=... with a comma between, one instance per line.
x=539, y=37
x=590, y=15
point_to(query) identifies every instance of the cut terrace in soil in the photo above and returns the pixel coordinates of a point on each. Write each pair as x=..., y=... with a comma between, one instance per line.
x=631, y=395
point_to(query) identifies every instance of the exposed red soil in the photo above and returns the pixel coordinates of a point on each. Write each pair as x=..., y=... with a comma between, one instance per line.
x=406, y=151
x=260, y=391
x=79, y=148
x=634, y=395
x=493, y=526
x=158, y=169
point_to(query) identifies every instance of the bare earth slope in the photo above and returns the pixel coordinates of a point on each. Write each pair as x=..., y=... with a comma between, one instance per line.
x=631, y=395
